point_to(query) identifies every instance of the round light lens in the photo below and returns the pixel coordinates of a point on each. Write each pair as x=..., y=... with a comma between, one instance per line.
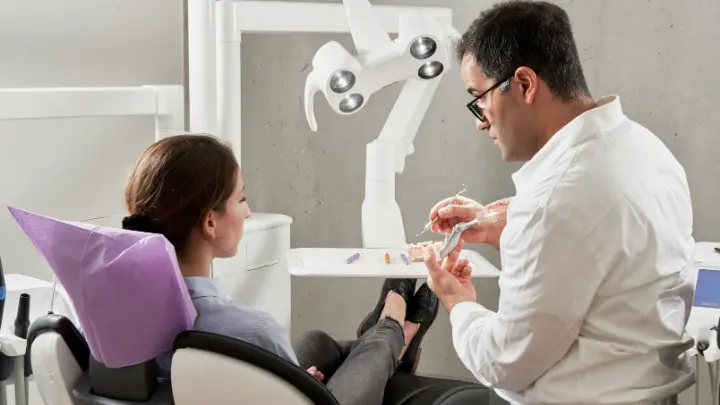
x=423, y=48
x=351, y=103
x=430, y=70
x=342, y=81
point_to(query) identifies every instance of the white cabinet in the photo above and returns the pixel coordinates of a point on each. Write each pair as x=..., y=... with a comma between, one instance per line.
x=258, y=275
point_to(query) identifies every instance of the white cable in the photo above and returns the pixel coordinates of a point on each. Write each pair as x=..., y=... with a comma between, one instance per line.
x=52, y=297
x=711, y=377
x=716, y=399
x=697, y=379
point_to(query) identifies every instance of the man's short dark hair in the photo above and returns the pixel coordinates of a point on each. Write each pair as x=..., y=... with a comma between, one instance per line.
x=536, y=34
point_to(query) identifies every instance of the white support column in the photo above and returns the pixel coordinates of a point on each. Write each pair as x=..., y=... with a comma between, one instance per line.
x=382, y=223
x=406, y=117
x=170, y=116
x=201, y=66
x=229, y=89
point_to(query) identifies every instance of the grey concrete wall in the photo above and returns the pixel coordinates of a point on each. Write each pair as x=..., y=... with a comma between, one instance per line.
x=659, y=56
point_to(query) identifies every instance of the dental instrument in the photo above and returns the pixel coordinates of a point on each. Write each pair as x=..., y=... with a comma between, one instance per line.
x=453, y=237
x=429, y=225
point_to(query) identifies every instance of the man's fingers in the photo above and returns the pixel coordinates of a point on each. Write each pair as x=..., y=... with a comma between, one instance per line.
x=459, y=246
x=444, y=225
x=444, y=202
x=458, y=201
x=431, y=262
x=459, y=266
x=466, y=272
x=463, y=212
x=452, y=258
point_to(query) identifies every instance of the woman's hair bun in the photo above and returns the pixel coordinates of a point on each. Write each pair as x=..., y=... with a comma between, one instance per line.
x=139, y=223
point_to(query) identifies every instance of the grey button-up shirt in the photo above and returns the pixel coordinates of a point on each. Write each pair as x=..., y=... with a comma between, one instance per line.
x=221, y=315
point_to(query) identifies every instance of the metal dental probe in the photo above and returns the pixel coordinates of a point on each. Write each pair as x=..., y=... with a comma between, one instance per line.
x=429, y=225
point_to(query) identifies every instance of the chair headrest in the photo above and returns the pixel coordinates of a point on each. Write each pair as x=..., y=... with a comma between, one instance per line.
x=126, y=286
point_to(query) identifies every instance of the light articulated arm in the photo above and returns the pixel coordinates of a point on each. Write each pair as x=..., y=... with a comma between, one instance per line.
x=419, y=56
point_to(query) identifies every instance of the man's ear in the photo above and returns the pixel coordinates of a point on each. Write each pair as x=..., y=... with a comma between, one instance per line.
x=529, y=82
x=209, y=225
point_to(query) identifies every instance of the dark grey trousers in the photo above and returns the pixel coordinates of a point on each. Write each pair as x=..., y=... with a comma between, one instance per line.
x=355, y=371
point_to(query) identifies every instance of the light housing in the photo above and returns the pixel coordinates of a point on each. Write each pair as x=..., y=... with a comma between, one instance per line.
x=422, y=51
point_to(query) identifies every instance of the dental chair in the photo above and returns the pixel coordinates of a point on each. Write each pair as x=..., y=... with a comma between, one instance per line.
x=112, y=361
x=206, y=369
x=246, y=374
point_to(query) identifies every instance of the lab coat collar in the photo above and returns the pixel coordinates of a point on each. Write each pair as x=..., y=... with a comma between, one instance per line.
x=199, y=287
x=606, y=116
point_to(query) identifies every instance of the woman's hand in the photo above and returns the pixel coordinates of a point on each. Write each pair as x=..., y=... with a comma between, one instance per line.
x=464, y=209
x=315, y=373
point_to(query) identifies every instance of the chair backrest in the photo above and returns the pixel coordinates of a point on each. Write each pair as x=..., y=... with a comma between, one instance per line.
x=59, y=355
x=125, y=286
x=241, y=374
x=129, y=297
x=67, y=374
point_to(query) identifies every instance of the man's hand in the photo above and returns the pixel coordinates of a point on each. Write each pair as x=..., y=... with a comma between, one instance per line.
x=450, y=280
x=464, y=210
x=315, y=373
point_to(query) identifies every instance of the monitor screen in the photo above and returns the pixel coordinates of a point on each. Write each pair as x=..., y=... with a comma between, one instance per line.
x=707, y=289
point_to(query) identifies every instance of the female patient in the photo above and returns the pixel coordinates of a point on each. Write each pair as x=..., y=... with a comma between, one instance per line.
x=189, y=188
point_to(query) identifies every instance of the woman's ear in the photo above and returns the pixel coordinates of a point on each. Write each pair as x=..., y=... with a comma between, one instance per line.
x=529, y=82
x=209, y=225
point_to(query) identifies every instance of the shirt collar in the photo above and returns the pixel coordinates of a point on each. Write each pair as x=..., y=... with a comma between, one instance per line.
x=606, y=116
x=201, y=287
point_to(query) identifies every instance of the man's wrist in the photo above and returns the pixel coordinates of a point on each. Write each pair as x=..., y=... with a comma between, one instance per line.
x=450, y=302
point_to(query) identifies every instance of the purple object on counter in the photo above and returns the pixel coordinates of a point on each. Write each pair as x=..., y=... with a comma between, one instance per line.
x=352, y=258
x=126, y=286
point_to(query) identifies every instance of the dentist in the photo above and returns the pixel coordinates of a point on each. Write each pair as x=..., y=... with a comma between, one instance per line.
x=597, y=243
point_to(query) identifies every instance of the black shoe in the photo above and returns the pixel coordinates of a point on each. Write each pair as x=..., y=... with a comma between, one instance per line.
x=405, y=287
x=422, y=309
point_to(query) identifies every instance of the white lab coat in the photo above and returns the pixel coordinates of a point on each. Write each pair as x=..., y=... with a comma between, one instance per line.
x=596, y=286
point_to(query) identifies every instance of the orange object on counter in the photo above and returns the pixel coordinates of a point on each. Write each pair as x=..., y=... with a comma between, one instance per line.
x=387, y=258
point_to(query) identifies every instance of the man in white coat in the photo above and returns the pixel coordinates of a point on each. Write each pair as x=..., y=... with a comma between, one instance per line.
x=597, y=244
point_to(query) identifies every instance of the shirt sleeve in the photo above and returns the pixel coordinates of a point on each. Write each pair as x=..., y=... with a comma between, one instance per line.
x=548, y=282
x=273, y=338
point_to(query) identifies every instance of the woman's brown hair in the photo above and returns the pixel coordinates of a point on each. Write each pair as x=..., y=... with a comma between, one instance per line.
x=176, y=181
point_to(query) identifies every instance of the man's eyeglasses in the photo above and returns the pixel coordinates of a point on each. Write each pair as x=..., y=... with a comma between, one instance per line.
x=474, y=106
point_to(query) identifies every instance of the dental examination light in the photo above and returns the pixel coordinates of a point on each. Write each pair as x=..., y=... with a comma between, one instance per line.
x=420, y=55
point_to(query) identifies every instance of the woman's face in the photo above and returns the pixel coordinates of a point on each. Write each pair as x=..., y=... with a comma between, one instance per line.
x=229, y=223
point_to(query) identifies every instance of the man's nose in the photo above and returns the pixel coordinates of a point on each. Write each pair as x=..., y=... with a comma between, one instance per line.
x=481, y=126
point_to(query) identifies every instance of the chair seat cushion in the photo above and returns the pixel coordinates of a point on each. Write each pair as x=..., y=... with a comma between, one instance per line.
x=410, y=389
